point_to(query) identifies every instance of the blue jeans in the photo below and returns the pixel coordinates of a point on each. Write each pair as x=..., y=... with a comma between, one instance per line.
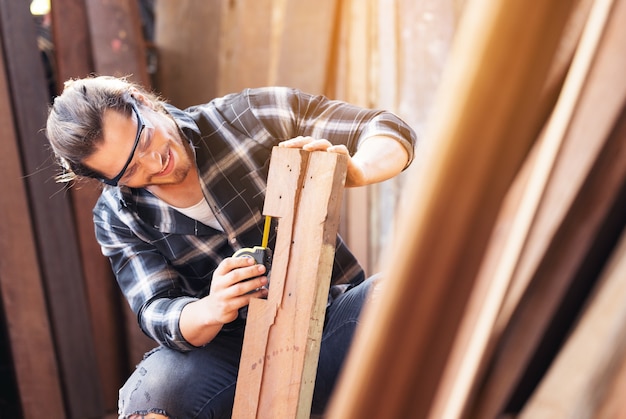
x=201, y=383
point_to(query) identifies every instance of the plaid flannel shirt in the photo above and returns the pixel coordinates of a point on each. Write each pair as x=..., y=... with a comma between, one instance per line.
x=162, y=259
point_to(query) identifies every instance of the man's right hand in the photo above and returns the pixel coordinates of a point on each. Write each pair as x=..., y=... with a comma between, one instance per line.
x=235, y=281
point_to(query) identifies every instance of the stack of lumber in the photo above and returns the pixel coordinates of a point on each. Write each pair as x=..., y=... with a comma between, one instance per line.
x=503, y=293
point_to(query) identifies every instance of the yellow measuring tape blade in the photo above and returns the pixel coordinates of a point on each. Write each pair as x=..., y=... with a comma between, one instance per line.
x=266, y=231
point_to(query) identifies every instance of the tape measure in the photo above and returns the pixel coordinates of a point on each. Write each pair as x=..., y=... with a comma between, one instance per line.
x=261, y=254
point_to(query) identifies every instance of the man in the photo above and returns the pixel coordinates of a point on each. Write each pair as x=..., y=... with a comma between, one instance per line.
x=184, y=190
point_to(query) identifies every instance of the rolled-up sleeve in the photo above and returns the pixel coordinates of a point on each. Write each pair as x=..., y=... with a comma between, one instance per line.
x=147, y=280
x=287, y=113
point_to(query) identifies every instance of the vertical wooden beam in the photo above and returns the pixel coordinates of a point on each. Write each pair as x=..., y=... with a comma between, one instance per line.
x=59, y=256
x=283, y=334
x=355, y=226
x=72, y=46
x=245, y=45
x=72, y=43
x=486, y=109
x=303, y=44
x=119, y=49
x=189, y=49
x=117, y=40
x=21, y=289
x=350, y=78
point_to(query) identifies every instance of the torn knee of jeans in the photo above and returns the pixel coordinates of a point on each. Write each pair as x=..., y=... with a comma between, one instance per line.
x=149, y=414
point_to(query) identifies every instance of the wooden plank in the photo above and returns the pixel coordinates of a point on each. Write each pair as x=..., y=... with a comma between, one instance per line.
x=576, y=248
x=578, y=381
x=117, y=40
x=560, y=123
x=560, y=242
x=245, y=42
x=72, y=47
x=614, y=405
x=403, y=343
x=188, y=59
x=355, y=225
x=301, y=48
x=472, y=345
x=119, y=49
x=387, y=47
x=350, y=80
x=106, y=304
x=472, y=348
x=283, y=333
x=21, y=289
x=74, y=60
x=565, y=54
x=55, y=233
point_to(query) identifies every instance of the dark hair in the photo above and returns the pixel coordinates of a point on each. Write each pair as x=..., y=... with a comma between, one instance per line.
x=74, y=125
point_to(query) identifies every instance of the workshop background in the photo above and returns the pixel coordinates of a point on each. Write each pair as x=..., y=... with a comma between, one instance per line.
x=503, y=242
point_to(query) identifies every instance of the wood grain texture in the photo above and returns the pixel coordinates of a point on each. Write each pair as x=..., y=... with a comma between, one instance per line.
x=485, y=122
x=283, y=333
x=21, y=287
x=52, y=222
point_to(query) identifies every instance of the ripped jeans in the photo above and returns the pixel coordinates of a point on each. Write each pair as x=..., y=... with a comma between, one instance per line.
x=201, y=383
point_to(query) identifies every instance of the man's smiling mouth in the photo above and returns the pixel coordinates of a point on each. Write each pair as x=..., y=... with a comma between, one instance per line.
x=166, y=166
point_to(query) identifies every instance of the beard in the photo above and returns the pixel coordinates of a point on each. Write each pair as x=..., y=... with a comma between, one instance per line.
x=180, y=173
x=184, y=160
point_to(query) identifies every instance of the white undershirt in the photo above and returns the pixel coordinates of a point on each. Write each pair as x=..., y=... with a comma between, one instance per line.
x=201, y=212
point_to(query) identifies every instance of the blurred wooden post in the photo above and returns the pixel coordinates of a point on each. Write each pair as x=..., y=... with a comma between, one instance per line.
x=283, y=334
x=484, y=124
x=21, y=289
x=118, y=49
x=245, y=45
x=351, y=79
x=471, y=350
x=570, y=226
x=53, y=226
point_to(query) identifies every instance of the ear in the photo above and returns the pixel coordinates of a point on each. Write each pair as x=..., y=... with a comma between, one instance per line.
x=140, y=98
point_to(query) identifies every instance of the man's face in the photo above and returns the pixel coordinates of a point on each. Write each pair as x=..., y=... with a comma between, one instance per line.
x=159, y=158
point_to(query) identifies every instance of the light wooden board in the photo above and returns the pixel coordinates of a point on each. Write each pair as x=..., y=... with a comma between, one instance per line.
x=301, y=48
x=245, y=44
x=189, y=49
x=283, y=333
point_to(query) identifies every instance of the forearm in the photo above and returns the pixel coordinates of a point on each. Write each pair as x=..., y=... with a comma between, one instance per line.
x=377, y=159
x=235, y=281
x=195, y=324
